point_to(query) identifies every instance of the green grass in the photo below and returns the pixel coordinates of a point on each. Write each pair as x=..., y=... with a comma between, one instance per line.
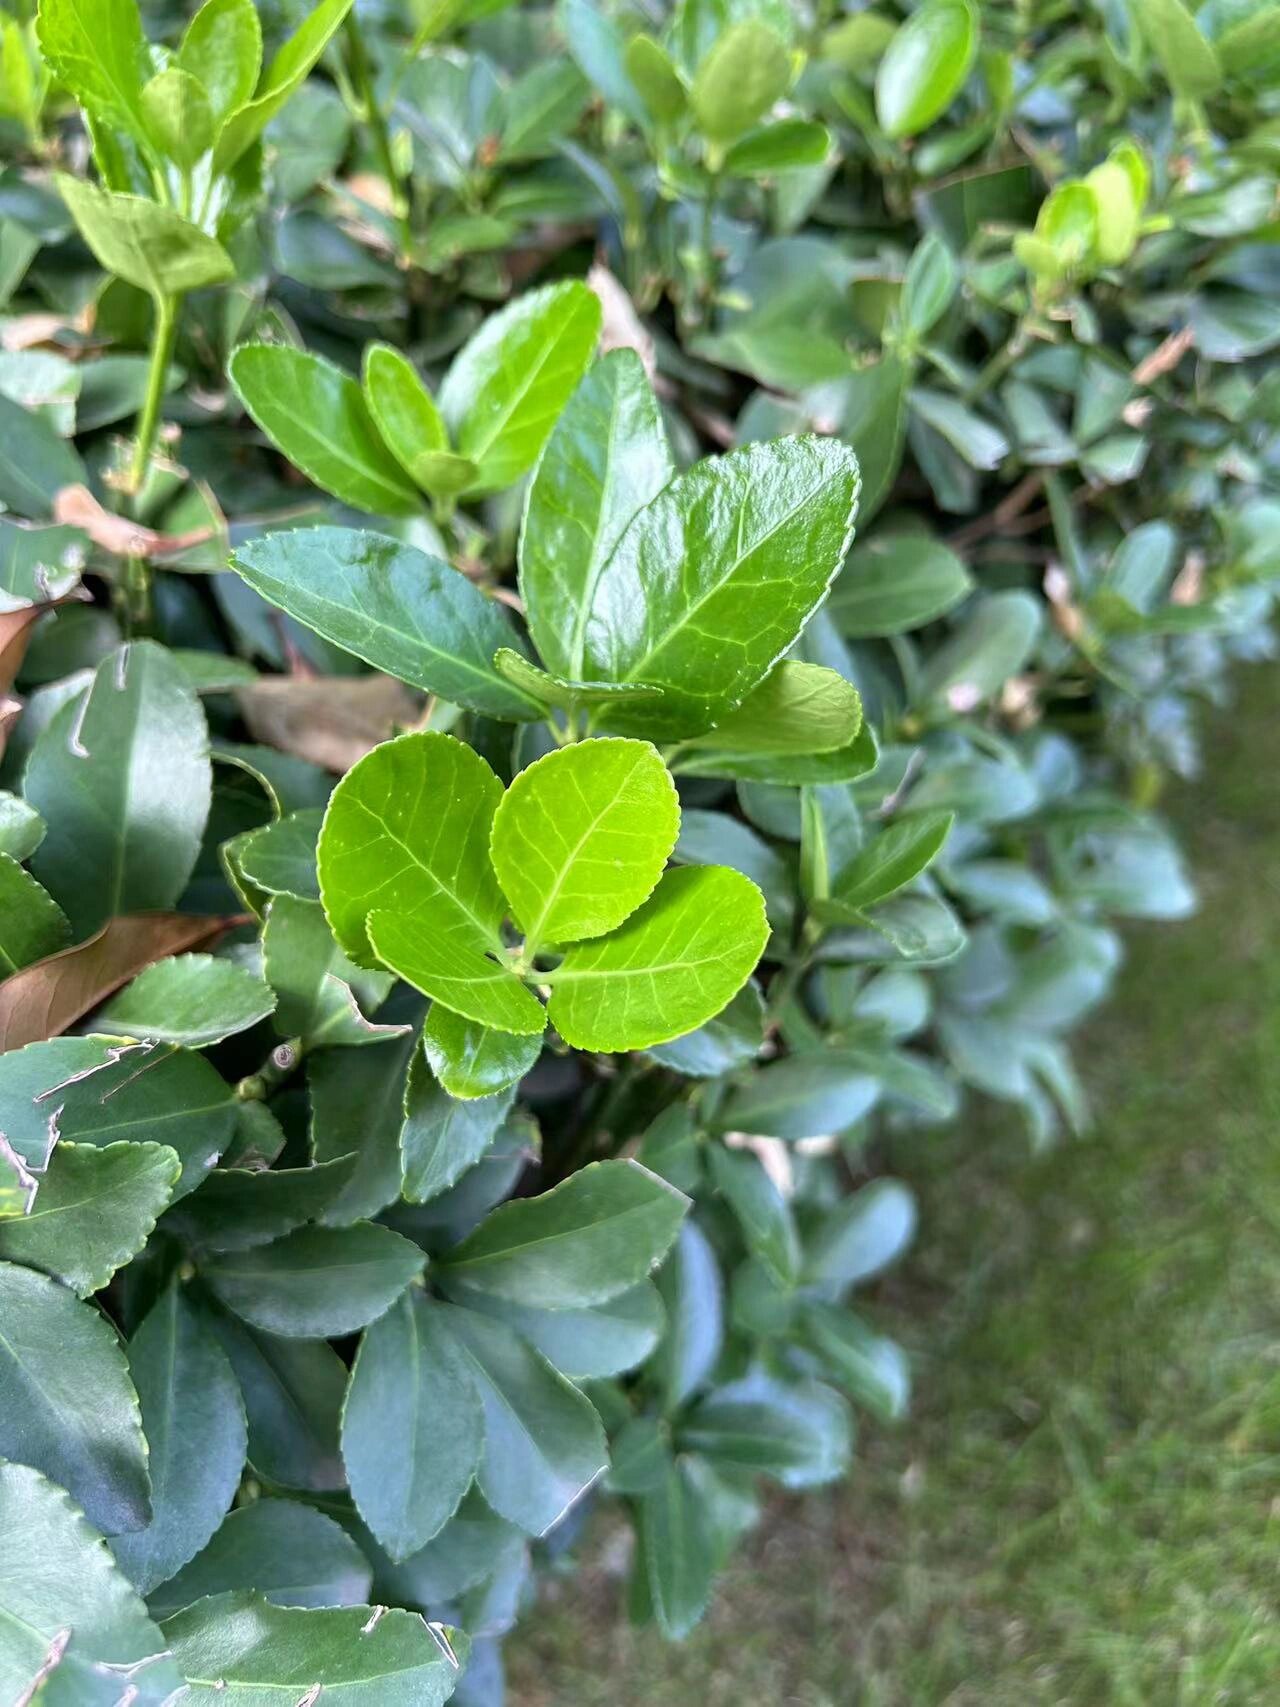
x=1085, y=1507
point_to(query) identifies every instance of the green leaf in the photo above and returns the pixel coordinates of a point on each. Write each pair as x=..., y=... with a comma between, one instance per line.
x=606, y=459
x=315, y=983
x=412, y=1426
x=918, y=927
x=222, y=46
x=676, y=1551
x=763, y=1424
x=1188, y=59
x=441, y=951
x=35, y=464
x=797, y=708
x=715, y=578
x=293, y=1392
x=729, y=1040
x=972, y=438
x=780, y=147
x=746, y=71
x=596, y=1234
x=143, y=243
x=60, y=1581
x=317, y=416
x=928, y=286
x=895, y=582
x=405, y=412
x=280, y=858
x=893, y=858
x=317, y=1282
x=692, y=1292
x=925, y=65
x=123, y=779
x=95, y=1210
x=178, y=116
x=32, y=924
x=21, y=827
x=652, y=70
x=581, y=837
x=67, y=1406
x=285, y=73
x=802, y=1096
x=843, y=764
x=505, y=388
x=544, y=1445
x=443, y=1135
x=671, y=967
x=394, y=606
x=97, y=49
x=195, y=1427
x=238, y=1650
x=861, y=1236
x=992, y=644
x=357, y=1101
x=471, y=1061
x=587, y=1344
x=869, y=1366
x=287, y=1552
x=566, y=695
x=193, y=999
x=760, y=1209
x=237, y=1208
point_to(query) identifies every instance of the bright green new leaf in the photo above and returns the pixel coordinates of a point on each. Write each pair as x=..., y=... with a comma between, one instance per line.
x=746, y=71
x=193, y=999
x=59, y=1579
x=317, y=416
x=715, y=578
x=470, y=1060
x=238, y=1650
x=318, y=1282
x=551, y=690
x=285, y=73
x=599, y=1232
x=222, y=46
x=925, y=65
x=797, y=708
x=895, y=582
x=394, y=606
x=671, y=967
x=287, y=1552
x=123, y=779
x=405, y=412
x=412, y=1426
x=440, y=950
x=651, y=69
x=1188, y=59
x=892, y=858
x=32, y=924
x=781, y=147
x=178, y=115
x=544, y=1445
x=97, y=49
x=505, y=388
x=96, y=1208
x=582, y=836
x=607, y=458
x=193, y=1418
x=147, y=245
x=67, y=1405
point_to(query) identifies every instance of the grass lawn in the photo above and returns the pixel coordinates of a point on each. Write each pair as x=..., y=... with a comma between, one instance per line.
x=1085, y=1506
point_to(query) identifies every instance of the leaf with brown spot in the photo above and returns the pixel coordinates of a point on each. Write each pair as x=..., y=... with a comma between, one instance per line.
x=44, y=999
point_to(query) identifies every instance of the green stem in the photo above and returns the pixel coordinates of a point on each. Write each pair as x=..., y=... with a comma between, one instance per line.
x=137, y=572
x=362, y=82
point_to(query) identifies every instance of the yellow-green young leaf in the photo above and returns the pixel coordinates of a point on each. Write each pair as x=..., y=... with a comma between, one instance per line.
x=607, y=458
x=651, y=69
x=1118, y=212
x=581, y=838
x=317, y=416
x=223, y=48
x=778, y=147
x=178, y=116
x=596, y=1234
x=506, y=386
x=471, y=1060
x=97, y=50
x=798, y=708
x=143, y=243
x=515, y=668
x=892, y=859
x=404, y=412
x=406, y=826
x=443, y=473
x=1186, y=56
x=925, y=65
x=672, y=966
x=746, y=71
x=23, y=80
x=715, y=578
x=394, y=606
x=284, y=74
x=445, y=955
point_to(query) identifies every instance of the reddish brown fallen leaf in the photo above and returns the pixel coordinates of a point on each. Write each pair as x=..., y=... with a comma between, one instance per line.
x=330, y=720
x=45, y=998
x=15, y=632
x=76, y=506
x=10, y=712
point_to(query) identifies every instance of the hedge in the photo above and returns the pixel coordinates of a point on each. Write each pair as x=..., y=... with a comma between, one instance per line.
x=594, y=605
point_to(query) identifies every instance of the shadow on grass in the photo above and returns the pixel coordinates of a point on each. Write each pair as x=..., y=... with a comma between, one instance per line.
x=1085, y=1507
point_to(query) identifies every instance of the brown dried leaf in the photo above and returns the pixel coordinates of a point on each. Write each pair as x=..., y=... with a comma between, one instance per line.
x=77, y=507
x=621, y=327
x=45, y=998
x=15, y=632
x=330, y=720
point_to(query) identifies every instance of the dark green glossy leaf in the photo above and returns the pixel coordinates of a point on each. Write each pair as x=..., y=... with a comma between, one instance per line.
x=676, y=1551
x=317, y=1282
x=861, y=1236
x=443, y=1135
x=470, y=1060
x=193, y=999
x=760, y=1208
x=32, y=924
x=895, y=582
x=293, y=1392
x=287, y=1552
x=237, y=1208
